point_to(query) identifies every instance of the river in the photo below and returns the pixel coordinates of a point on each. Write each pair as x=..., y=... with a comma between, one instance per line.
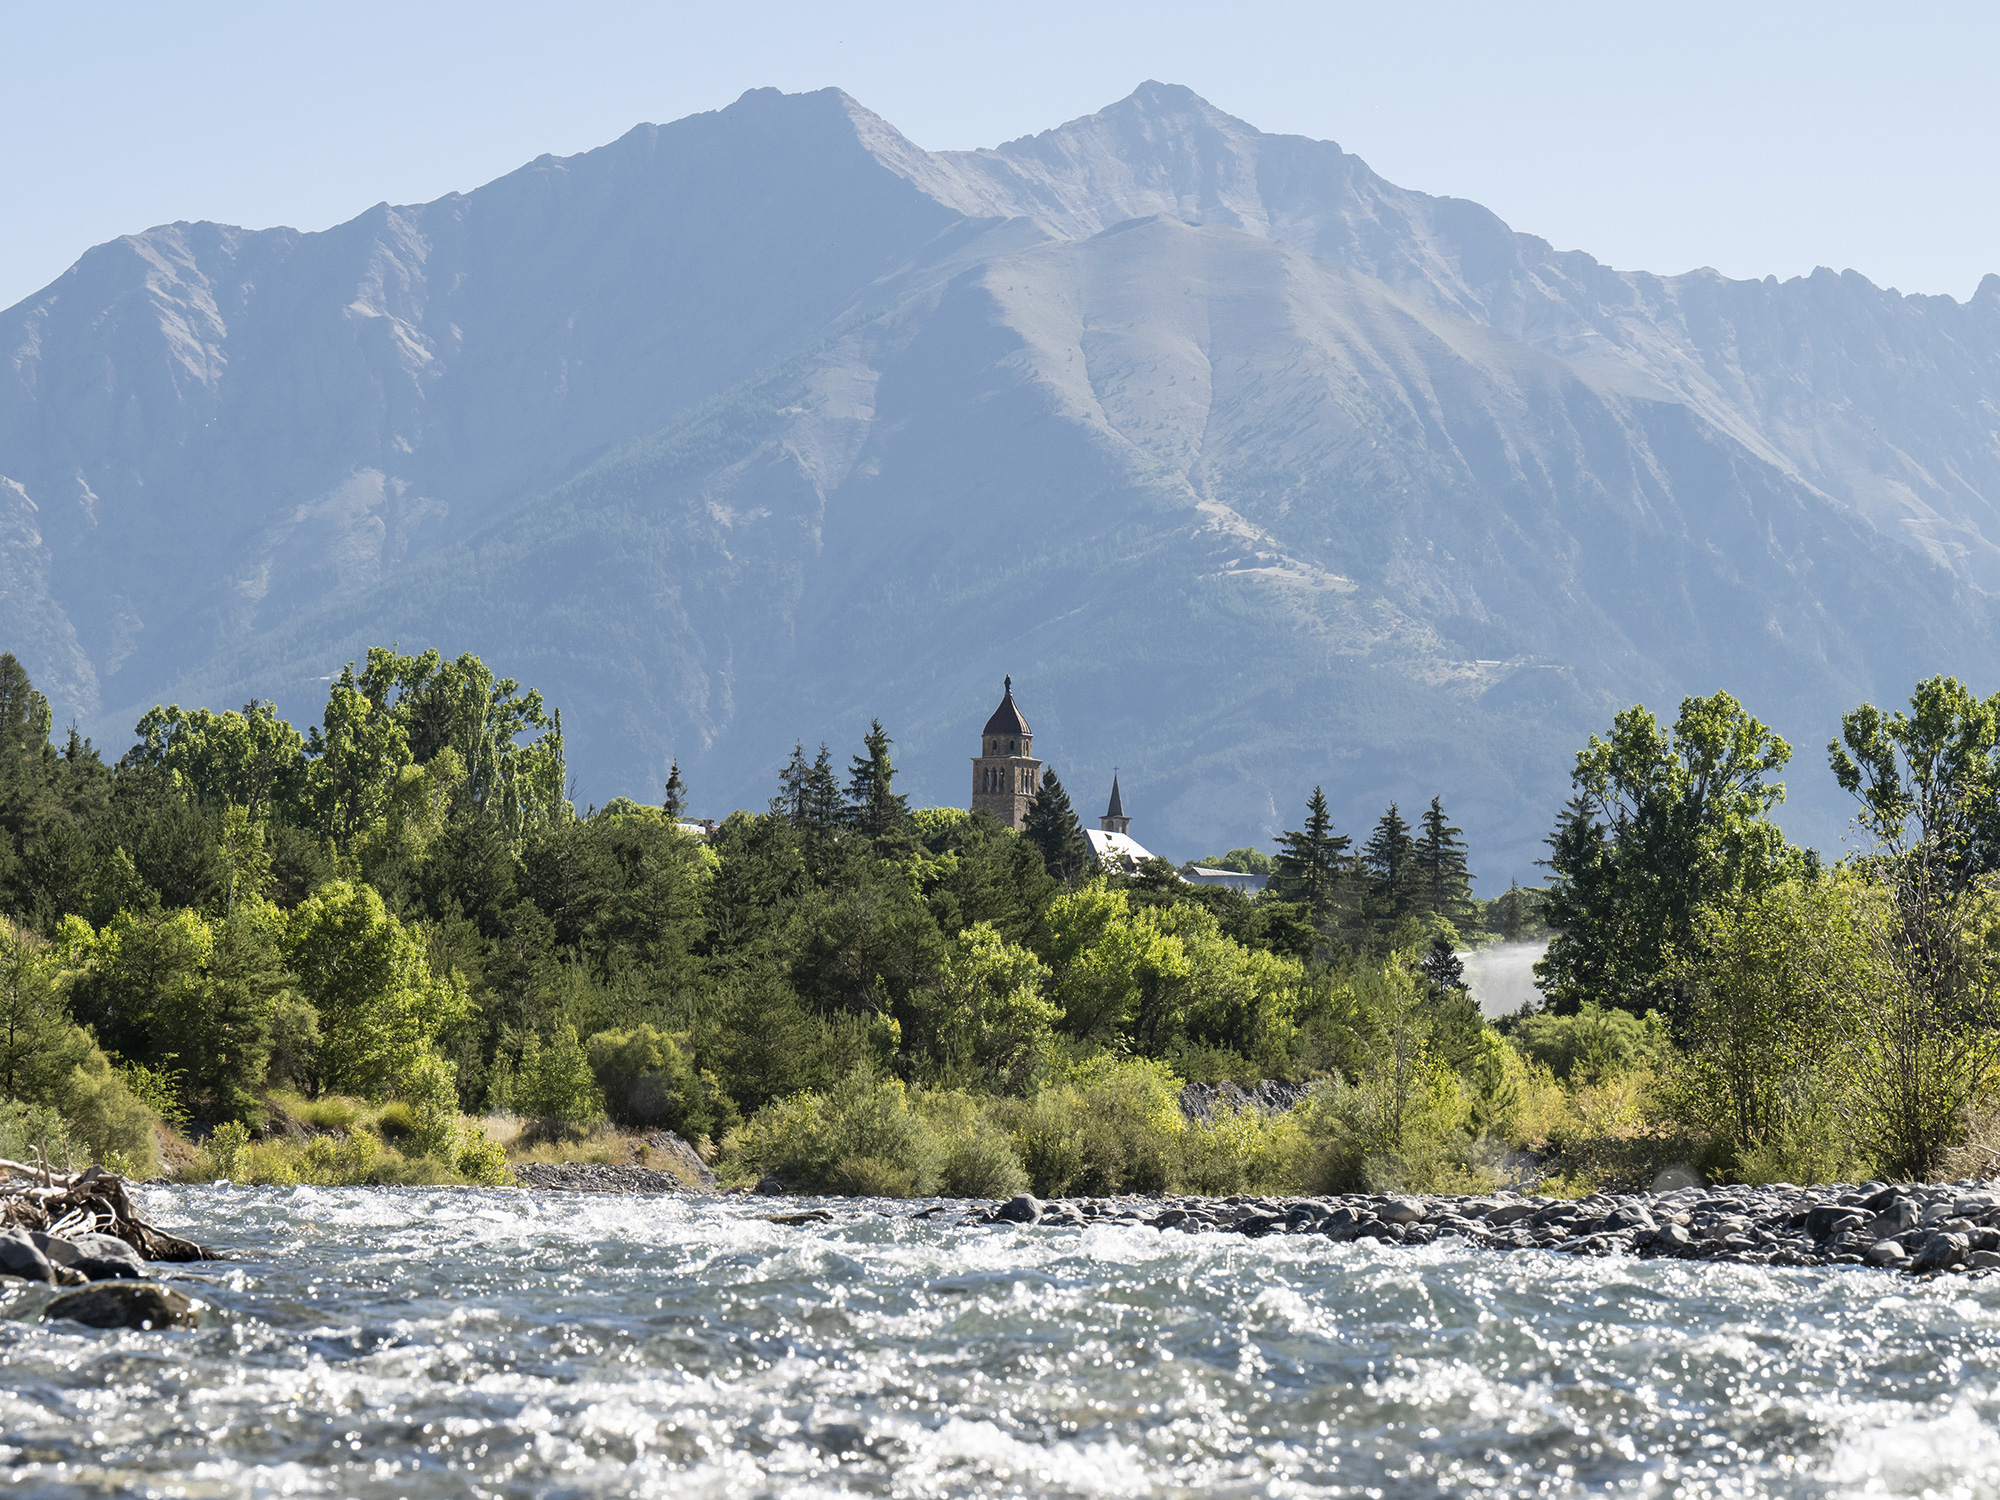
x=413, y=1342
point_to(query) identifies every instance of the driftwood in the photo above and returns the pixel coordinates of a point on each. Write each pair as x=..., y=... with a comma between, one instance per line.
x=66, y=1204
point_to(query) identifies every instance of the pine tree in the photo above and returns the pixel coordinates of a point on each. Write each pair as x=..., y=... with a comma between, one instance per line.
x=675, y=802
x=1444, y=889
x=1442, y=968
x=791, y=798
x=1390, y=858
x=824, y=810
x=1052, y=827
x=1312, y=864
x=873, y=805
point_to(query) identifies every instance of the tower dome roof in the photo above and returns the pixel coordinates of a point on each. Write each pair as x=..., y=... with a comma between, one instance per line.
x=1007, y=717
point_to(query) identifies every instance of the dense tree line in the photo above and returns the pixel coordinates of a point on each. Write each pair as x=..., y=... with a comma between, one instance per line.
x=401, y=903
x=234, y=905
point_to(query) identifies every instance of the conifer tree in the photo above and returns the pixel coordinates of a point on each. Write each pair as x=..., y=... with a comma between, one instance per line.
x=675, y=802
x=873, y=805
x=791, y=798
x=823, y=810
x=1444, y=888
x=1313, y=864
x=1390, y=858
x=1052, y=827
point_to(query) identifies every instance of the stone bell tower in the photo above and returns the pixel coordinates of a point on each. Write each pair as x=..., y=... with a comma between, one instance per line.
x=1005, y=773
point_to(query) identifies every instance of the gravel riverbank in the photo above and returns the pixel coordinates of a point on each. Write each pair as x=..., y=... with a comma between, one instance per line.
x=1916, y=1228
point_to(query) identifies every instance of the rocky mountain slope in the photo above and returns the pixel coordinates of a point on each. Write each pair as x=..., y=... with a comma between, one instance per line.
x=1255, y=470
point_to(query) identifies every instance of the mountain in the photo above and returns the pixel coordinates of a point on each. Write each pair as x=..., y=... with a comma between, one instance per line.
x=1256, y=471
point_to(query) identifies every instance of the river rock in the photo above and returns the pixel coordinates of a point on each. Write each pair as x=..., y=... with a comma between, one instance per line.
x=1941, y=1251
x=100, y=1257
x=125, y=1304
x=1401, y=1211
x=596, y=1177
x=681, y=1159
x=20, y=1256
x=1023, y=1209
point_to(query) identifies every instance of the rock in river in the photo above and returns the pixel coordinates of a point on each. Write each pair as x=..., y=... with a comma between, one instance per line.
x=125, y=1304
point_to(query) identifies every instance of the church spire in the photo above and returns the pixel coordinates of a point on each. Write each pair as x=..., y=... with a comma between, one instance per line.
x=1114, y=819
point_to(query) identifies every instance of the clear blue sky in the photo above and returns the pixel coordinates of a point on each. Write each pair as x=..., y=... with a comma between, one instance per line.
x=1756, y=138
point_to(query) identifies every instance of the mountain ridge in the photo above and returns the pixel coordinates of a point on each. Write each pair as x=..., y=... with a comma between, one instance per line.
x=1441, y=495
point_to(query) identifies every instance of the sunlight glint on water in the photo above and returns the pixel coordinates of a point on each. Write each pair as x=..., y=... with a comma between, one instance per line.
x=424, y=1342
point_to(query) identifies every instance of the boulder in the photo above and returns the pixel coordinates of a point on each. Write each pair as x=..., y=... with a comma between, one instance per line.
x=20, y=1256
x=1826, y=1220
x=1024, y=1209
x=1401, y=1211
x=100, y=1257
x=125, y=1304
x=1941, y=1252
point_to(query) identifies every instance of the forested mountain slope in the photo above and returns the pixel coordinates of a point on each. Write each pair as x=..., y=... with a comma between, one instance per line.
x=1255, y=470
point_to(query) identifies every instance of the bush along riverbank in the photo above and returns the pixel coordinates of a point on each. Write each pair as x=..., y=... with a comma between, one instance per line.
x=1951, y=1227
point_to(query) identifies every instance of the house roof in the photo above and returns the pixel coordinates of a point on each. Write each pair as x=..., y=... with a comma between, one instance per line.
x=1007, y=717
x=1116, y=848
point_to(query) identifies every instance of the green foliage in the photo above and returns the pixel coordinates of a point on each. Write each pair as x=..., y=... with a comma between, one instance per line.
x=648, y=1078
x=862, y=1136
x=1247, y=861
x=1053, y=829
x=1312, y=868
x=1662, y=824
x=1592, y=1044
x=975, y=1154
x=554, y=1083
x=1768, y=983
x=379, y=1007
x=34, y=1132
x=34, y=1021
x=401, y=906
x=1927, y=1049
x=227, y=1151
x=984, y=1014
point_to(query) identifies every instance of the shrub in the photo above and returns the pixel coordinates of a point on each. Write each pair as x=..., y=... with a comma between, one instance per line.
x=1591, y=1045
x=1360, y=1138
x=1240, y=1151
x=975, y=1156
x=31, y=1130
x=1048, y=1136
x=1112, y=1127
x=861, y=1136
x=105, y=1116
x=554, y=1084
x=226, y=1152
x=648, y=1079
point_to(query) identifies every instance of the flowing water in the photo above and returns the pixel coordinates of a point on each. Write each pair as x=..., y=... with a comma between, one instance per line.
x=388, y=1342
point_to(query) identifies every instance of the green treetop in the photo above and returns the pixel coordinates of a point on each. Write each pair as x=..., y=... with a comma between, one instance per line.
x=1052, y=827
x=1444, y=888
x=1662, y=823
x=1313, y=865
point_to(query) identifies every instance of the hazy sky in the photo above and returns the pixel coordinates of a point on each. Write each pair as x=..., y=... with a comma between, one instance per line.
x=1756, y=138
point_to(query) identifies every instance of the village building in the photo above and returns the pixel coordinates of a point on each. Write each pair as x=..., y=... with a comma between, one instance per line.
x=1005, y=774
x=1111, y=840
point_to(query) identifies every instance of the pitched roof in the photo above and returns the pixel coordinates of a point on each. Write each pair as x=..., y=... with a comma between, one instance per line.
x=1117, y=807
x=1007, y=718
